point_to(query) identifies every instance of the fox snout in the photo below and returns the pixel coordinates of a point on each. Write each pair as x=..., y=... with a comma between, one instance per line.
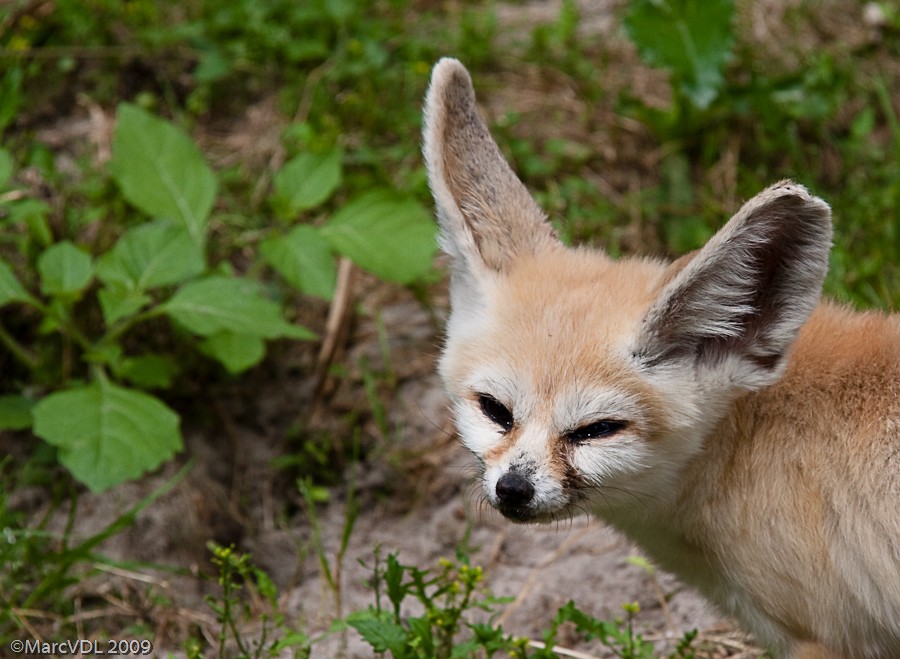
x=514, y=492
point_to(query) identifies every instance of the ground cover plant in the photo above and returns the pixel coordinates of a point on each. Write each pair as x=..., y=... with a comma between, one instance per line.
x=170, y=262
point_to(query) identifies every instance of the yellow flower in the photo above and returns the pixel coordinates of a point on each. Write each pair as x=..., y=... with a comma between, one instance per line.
x=19, y=44
x=632, y=608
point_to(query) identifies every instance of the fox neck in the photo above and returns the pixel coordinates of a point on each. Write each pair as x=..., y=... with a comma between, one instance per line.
x=666, y=525
x=665, y=540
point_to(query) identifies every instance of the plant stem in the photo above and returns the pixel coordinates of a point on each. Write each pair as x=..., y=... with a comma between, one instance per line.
x=20, y=352
x=119, y=328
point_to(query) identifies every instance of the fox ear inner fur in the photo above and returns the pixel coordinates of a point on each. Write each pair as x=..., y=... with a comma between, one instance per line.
x=487, y=217
x=749, y=290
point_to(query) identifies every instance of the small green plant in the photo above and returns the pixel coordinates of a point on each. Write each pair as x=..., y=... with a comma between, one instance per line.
x=618, y=636
x=452, y=596
x=248, y=596
x=332, y=570
x=447, y=595
x=693, y=41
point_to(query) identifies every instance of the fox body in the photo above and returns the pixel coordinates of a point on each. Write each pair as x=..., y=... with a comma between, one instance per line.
x=745, y=434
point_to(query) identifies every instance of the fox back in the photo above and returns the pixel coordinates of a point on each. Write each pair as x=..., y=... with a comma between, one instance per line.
x=714, y=410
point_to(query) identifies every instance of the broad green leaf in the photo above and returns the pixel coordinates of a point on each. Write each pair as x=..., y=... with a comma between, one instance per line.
x=15, y=412
x=389, y=235
x=104, y=353
x=10, y=288
x=304, y=259
x=161, y=171
x=236, y=352
x=6, y=167
x=64, y=269
x=691, y=38
x=154, y=254
x=118, y=302
x=309, y=179
x=107, y=434
x=148, y=371
x=213, y=66
x=229, y=304
x=380, y=631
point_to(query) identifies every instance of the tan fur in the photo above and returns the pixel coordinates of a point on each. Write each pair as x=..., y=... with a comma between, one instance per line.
x=746, y=435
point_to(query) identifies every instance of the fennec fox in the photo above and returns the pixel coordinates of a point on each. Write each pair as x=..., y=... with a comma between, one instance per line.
x=744, y=434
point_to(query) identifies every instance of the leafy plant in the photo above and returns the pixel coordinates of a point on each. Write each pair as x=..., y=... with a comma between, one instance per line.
x=692, y=39
x=248, y=594
x=447, y=595
x=106, y=432
x=332, y=570
x=451, y=593
x=109, y=428
x=693, y=42
x=618, y=636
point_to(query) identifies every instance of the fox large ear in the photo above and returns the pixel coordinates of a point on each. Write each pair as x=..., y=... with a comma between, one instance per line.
x=486, y=215
x=746, y=294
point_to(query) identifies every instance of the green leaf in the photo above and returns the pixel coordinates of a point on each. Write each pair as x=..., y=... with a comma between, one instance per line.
x=161, y=171
x=104, y=353
x=10, y=288
x=584, y=623
x=6, y=167
x=229, y=304
x=389, y=235
x=309, y=179
x=10, y=95
x=304, y=259
x=148, y=371
x=641, y=562
x=213, y=66
x=15, y=412
x=118, y=302
x=107, y=434
x=691, y=38
x=423, y=633
x=380, y=631
x=154, y=254
x=236, y=352
x=64, y=269
x=393, y=577
x=33, y=214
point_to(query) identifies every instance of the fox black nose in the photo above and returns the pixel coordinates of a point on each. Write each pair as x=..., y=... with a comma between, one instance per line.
x=513, y=489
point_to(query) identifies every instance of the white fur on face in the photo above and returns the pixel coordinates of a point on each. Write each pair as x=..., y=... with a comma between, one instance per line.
x=581, y=405
x=618, y=463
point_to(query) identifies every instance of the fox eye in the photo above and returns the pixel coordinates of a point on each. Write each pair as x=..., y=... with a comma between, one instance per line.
x=496, y=411
x=595, y=430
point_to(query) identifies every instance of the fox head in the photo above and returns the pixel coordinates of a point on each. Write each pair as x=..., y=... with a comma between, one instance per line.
x=583, y=383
